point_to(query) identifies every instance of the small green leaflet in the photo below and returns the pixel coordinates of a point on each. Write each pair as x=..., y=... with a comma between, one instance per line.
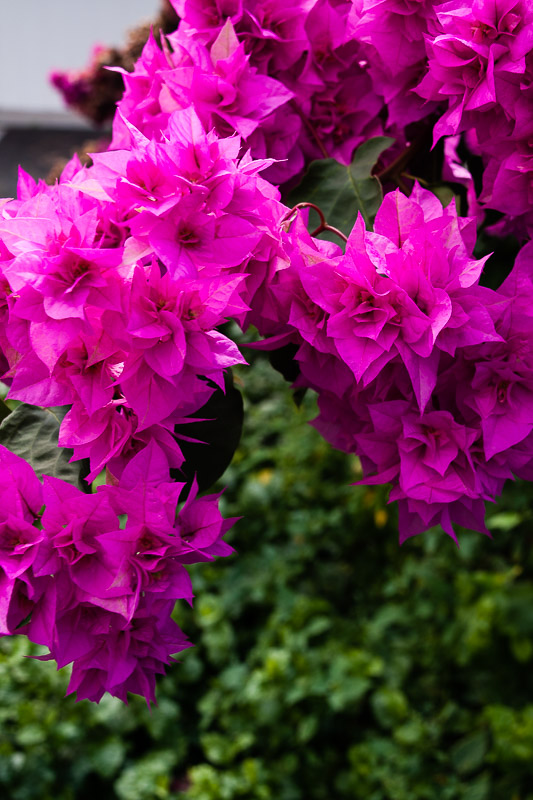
x=341, y=191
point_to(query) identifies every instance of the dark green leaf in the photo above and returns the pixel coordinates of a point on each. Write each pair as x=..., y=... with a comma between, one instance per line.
x=31, y=432
x=219, y=433
x=444, y=192
x=341, y=192
x=283, y=361
x=469, y=753
x=5, y=411
x=24, y=621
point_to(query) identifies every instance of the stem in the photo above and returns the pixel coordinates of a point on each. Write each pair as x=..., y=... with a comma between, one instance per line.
x=402, y=185
x=311, y=128
x=290, y=215
x=330, y=228
x=396, y=167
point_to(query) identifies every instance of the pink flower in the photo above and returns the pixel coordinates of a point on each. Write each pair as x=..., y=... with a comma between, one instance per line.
x=97, y=579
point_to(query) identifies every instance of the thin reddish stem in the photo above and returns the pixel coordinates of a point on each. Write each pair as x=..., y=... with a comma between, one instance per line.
x=311, y=128
x=324, y=226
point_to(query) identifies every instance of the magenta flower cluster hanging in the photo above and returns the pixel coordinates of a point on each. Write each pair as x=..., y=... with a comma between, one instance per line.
x=116, y=279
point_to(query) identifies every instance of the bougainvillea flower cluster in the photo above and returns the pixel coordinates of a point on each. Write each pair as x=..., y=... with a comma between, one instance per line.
x=471, y=65
x=287, y=77
x=116, y=280
x=315, y=78
x=420, y=371
x=95, y=577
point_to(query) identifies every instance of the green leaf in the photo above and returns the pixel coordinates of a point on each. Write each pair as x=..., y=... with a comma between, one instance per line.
x=469, y=753
x=283, y=361
x=340, y=191
x=218, y=435
x=504, y=521
x=32, y=432
x=444, y=192
x=5, y=411
x=390, y=706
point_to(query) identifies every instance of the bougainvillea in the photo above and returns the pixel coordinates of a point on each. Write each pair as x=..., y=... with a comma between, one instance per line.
x=422, y=372
x=95, y=577
x=117, y=278
x=126, y=272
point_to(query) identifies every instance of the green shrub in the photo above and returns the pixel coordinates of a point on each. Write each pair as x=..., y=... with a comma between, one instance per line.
x=329, y=663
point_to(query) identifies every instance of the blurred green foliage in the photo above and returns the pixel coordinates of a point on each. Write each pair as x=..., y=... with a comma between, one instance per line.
x=329, y=663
